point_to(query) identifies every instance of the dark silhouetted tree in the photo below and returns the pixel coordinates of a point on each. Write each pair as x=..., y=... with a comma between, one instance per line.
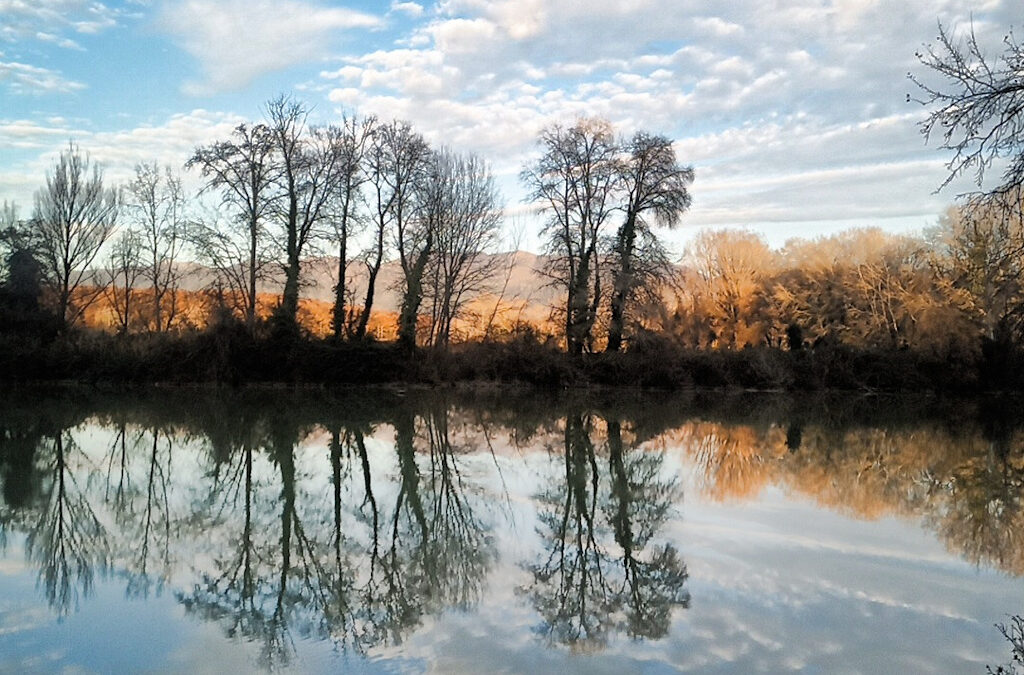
x=976, y=107
x=74, y=216
x=461, y=198
x=311, y=165
x=408, y=163
x=21, y=277
x=396, y=161
x=355, y=136
x=155, y=202
x=656, y=194
x=243, y=170
x=574, y=182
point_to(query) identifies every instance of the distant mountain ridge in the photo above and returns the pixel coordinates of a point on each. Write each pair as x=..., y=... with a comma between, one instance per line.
x=525, y=283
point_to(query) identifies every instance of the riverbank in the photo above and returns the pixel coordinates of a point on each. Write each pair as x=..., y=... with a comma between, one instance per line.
x=233, y=357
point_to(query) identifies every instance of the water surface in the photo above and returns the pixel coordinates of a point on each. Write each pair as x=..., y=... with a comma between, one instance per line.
x=197, y=531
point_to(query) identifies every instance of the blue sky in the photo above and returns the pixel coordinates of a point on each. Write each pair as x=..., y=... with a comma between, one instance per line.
x=793, y=113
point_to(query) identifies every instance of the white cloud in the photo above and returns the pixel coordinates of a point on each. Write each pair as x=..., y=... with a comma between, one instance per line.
x=463, y=36
x=788, y=114
x=412, y=9
x=23, y=78
x=169, y=142
x=46, y=20
x=236, y=41
x=66, y=43
x=718, y=27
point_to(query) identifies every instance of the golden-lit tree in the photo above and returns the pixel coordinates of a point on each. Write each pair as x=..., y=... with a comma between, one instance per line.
x=726, y=285
x=980, y=252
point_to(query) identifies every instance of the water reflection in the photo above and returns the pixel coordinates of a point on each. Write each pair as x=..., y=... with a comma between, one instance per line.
x=354, y=518
x=66, y=540
x=584, y=588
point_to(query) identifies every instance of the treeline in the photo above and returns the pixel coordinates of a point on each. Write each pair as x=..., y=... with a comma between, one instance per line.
x=280, y=192
x=952, y=292
x=274, y=194
x=861, y=309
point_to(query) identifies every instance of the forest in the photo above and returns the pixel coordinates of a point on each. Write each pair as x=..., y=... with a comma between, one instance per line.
x=151, y=281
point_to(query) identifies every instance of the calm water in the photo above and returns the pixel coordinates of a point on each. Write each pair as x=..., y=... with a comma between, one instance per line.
x=191, y=531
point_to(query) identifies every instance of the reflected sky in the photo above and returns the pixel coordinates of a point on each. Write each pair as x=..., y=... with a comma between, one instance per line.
x=437, y=532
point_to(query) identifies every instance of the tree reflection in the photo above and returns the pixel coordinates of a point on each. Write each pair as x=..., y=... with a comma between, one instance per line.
x=638, y=507
x=965, y=483
x=357, y=520
x=67, y=542
x=141, y=505
x=582, y=590
x=438, y=552
x=249, y=592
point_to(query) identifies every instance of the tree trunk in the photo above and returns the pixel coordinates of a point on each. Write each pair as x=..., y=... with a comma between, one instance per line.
x=371, y=281
x=290, y=295
x=579, y=308
x=250, y=309
x=622, y=283
x=338, y=319
x=413, y=297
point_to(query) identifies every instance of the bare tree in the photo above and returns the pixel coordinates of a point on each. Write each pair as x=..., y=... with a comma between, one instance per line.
x=240, y=261
x=157, y=203
x=395, y=162
x=574, y=181
x=74, y=217
x=462, y=199
x=727, y=288
x=656, y=189
x=125, y=270
x=980, y=250
x=243, y=170
x=354, y=137
x=977, y=108
x=286, y=119
x=408, y=161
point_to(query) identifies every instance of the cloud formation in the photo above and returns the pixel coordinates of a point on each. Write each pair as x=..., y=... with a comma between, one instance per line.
x=792, y=113
x=23, y=78
x=236, y=41
x=169, y=142
x=48, y=20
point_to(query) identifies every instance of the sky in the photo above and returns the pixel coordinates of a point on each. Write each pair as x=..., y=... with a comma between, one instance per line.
x=794, y=114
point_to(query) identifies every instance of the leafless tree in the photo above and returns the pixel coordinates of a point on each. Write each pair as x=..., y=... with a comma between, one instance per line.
x=74, y=217
x=156, y=202
x=395, y=164
x=239, y=260
x=461, y=197
x=353, y=139
x=243, y=170
x=125, y=270
x=656, y=190
x=574, y=181
x=286, y=119
x=407, y=165
x=976, y=108
x=979, y=248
